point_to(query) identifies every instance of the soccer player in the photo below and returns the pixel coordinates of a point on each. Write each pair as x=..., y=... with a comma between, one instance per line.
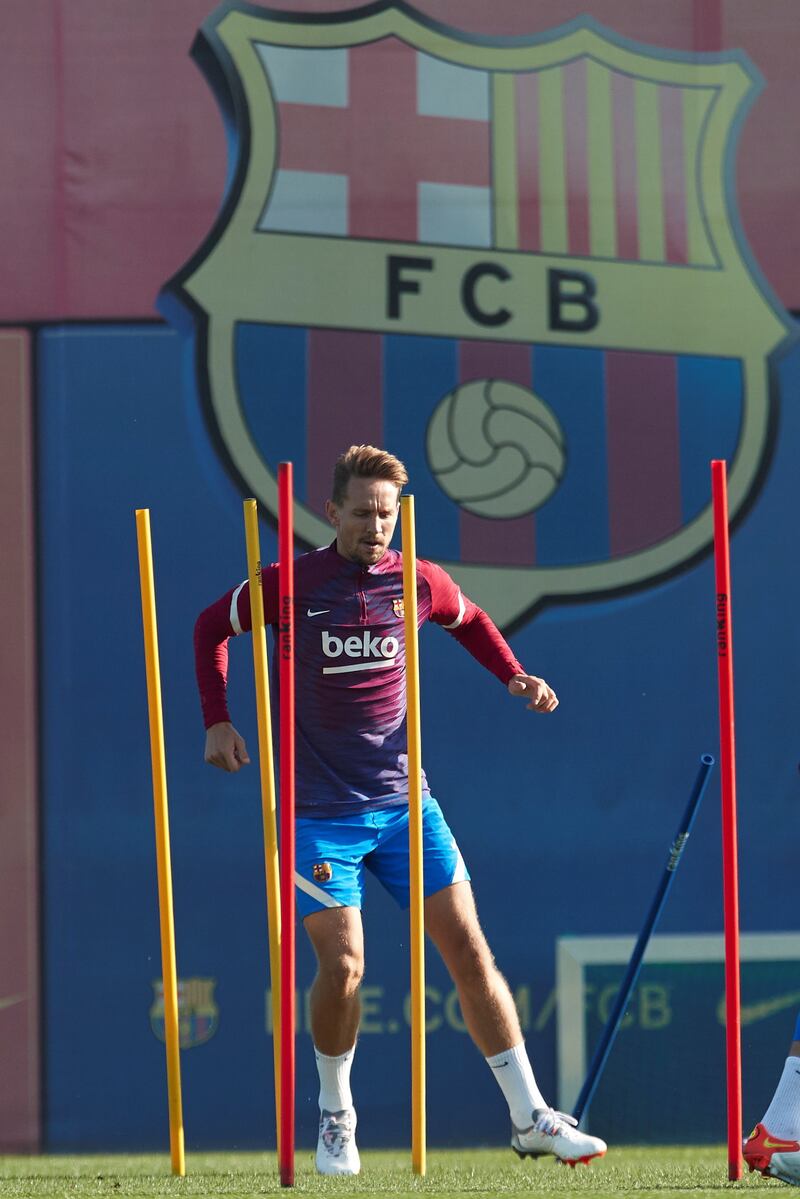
x=352, y=791
x=773, y=1147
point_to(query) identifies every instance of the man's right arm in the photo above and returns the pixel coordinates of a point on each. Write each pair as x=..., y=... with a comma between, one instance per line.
x=227, y=617
x=225, y=747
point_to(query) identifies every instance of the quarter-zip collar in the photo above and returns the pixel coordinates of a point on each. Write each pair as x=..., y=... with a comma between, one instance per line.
x=386, y=563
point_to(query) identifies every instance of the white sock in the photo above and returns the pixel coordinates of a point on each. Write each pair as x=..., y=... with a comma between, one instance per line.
x=782, y=1117
x=334, y=1080
x=514, y=1075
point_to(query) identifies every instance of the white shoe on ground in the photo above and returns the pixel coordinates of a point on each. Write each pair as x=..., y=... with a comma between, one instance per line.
x=336, y=1147
x=556, y=1133
x=774, y=1157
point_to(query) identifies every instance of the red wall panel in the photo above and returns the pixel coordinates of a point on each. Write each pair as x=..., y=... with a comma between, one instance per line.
x=30, y=233
x=19, y=886
x=112, y=154
x=768, y=166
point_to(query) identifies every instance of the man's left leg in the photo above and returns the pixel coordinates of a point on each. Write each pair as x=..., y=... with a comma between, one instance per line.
x=451, y=921
x=773, y=1147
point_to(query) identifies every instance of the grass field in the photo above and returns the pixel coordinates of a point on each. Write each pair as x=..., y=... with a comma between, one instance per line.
x=663, y=1172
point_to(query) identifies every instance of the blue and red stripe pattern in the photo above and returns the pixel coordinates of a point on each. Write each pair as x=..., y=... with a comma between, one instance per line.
x=639, y=430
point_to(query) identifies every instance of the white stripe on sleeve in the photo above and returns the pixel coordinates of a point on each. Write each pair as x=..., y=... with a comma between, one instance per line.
x=234, y=615
x=460, y=617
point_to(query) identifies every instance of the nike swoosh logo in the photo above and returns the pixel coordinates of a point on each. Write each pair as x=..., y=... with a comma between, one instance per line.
x=320, y=612
x=10, y=1001
x=751, y=1013
x=768, y=1143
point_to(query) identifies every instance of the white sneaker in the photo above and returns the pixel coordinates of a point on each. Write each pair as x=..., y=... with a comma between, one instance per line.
x=556, y=1133
x=336, y=1147
x=774, y=1157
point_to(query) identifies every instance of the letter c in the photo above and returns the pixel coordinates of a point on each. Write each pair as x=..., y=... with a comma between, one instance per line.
x=469, y=286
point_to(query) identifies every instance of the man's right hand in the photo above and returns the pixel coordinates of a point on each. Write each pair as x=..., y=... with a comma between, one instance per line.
x=225, y=748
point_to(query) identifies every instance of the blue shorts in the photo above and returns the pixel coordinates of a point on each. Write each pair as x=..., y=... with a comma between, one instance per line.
x=331, y=855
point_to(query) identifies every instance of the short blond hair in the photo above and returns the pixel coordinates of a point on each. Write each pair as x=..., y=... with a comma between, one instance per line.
x=366, y=462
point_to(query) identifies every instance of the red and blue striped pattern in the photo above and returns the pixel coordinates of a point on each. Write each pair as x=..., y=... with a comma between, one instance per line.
x=639, y=428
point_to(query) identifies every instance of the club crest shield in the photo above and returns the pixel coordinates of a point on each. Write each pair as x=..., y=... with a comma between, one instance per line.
x=198, y=1014
x=515, y=263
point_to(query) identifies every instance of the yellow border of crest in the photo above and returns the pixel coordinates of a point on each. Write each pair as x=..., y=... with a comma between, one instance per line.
x=674, y=299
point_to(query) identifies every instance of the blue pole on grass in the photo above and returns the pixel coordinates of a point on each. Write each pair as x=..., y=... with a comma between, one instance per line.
x=629, y=982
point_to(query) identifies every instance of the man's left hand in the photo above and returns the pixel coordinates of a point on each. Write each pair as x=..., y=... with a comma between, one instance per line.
x=541, y=697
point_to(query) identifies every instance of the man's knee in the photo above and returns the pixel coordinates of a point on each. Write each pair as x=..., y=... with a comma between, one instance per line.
x=452, y=922
x=468, y=956
x=338, y=940
x=342, y=973
x=476, y=960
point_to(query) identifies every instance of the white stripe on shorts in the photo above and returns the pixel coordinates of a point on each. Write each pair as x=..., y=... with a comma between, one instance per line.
x=460, y=872
x=316, y=892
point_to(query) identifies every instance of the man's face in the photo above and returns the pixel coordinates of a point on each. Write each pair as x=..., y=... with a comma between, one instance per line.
x=365, y=519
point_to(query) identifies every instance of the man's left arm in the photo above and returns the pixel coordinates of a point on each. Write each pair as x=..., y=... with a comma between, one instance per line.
x=478, y=633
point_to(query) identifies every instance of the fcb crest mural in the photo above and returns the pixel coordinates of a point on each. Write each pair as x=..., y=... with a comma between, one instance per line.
x=516, y=263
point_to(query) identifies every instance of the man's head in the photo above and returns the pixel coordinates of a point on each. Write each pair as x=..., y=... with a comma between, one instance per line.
x=365, y=502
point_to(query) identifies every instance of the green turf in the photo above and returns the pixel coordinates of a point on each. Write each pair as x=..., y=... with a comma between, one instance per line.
x=663, y=1172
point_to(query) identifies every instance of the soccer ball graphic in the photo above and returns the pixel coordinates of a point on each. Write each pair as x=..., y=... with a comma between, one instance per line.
x=495, y=448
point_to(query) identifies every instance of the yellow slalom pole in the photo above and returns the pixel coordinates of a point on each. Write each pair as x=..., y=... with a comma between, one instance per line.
x=169, y=971
x=418, y=1141
x=268, y=806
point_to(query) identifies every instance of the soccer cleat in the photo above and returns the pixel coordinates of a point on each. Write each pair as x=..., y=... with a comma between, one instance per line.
x=556, y=1133
x=774, y=1157
x=336, y=1147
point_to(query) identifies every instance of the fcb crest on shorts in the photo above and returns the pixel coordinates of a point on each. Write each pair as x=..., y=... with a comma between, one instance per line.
x=516, y=263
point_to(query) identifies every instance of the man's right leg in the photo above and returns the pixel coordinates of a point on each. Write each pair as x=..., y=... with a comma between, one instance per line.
x=337, y=937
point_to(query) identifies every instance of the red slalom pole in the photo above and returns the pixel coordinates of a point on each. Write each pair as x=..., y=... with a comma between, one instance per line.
x=287, y=848
x=730, y=869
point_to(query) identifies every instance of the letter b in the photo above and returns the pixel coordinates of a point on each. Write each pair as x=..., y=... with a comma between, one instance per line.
x=571, y=290
x=331, y=646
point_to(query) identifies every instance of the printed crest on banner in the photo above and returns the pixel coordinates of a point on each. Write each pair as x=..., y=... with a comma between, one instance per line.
x=516, y=263
x=198, y=1014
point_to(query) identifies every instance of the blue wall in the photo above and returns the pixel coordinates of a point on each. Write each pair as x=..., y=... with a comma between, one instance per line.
x=563, y=821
